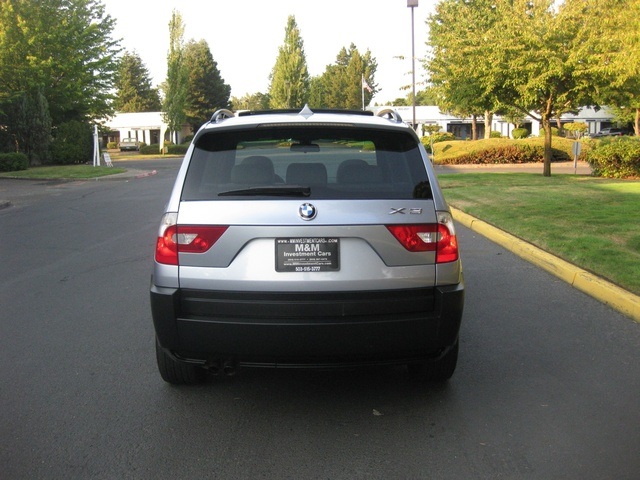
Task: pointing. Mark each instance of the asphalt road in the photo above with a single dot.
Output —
(548, 383)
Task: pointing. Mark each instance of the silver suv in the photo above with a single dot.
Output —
(306, 239)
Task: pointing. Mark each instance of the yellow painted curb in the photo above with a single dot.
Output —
(600, 289)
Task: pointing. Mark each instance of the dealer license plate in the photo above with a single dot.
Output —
(307, 254)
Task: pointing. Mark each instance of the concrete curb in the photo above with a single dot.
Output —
(594, 286)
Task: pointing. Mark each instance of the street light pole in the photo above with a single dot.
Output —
(412, 4)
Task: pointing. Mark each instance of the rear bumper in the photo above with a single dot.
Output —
(308, 329)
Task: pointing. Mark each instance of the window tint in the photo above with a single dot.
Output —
(329, 162)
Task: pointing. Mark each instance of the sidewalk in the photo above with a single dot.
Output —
(583, 168)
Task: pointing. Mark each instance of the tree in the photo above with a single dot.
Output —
(257, 101)
(316, 92)
(65, 48)
(342, 82)
(459, 34)
(289, 78)
(610, 46)
(175, 87)
(206, 91)
(536, 56)
(135, 92)
(57, 63)
(534, 64)
(31, 127)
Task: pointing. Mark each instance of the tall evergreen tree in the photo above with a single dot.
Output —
(289, 86)
(342, 81)
(31, 126)
(175, 87)
(206, 90)
(135, 92)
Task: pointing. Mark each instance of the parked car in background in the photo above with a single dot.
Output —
(130, 144)
(306, 239)
(610, 132)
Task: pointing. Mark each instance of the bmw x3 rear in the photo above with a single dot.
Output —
(306, 239)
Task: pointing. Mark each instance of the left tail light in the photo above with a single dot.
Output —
(174, 238)
(429, 237)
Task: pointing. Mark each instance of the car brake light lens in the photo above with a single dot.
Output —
(429, 237)
(173, 239)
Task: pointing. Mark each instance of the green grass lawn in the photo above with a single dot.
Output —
(67, 172)
(591, 222)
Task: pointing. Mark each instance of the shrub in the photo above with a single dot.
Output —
(436, 138)
(12, 162)
(554, 132)
(509, 154)
(72, 143)
(495, 134)
(112, 145)
(152, 149)
(520, 133)
(619, 158)
(177, 149)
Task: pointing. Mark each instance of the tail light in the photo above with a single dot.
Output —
(429, 237)
(173, 239)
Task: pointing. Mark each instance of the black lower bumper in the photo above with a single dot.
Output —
(308, 329)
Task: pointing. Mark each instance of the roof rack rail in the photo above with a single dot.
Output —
(390, 114)
(220, 115)
(318, 110)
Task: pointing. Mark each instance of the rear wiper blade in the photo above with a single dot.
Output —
(282, 190)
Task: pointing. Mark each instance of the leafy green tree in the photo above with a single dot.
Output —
(256, 101)
(609, 45)
(206, 91)
(534, 64)
(459, 36)
(289, 78)
(175, 87)
(537, 56)
(62, 48)
(135, 92)
(425, 97)
(342, 81)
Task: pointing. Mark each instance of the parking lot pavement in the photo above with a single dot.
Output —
(13, 191)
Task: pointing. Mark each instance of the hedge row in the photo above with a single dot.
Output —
(509, 154)
(12, 162)
(616, 158)
(154, 149)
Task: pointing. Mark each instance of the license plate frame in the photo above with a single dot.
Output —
(307, 254)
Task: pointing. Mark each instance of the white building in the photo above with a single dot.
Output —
(461, 127)
(147, 127)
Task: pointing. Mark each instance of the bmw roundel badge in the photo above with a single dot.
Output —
(307, 211)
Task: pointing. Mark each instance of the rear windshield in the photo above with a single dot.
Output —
(315, 162)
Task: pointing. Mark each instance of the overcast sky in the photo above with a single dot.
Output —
(244, 36)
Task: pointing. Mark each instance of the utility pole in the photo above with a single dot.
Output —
(412, 4)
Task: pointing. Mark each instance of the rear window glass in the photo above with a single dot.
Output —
(315, 162)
